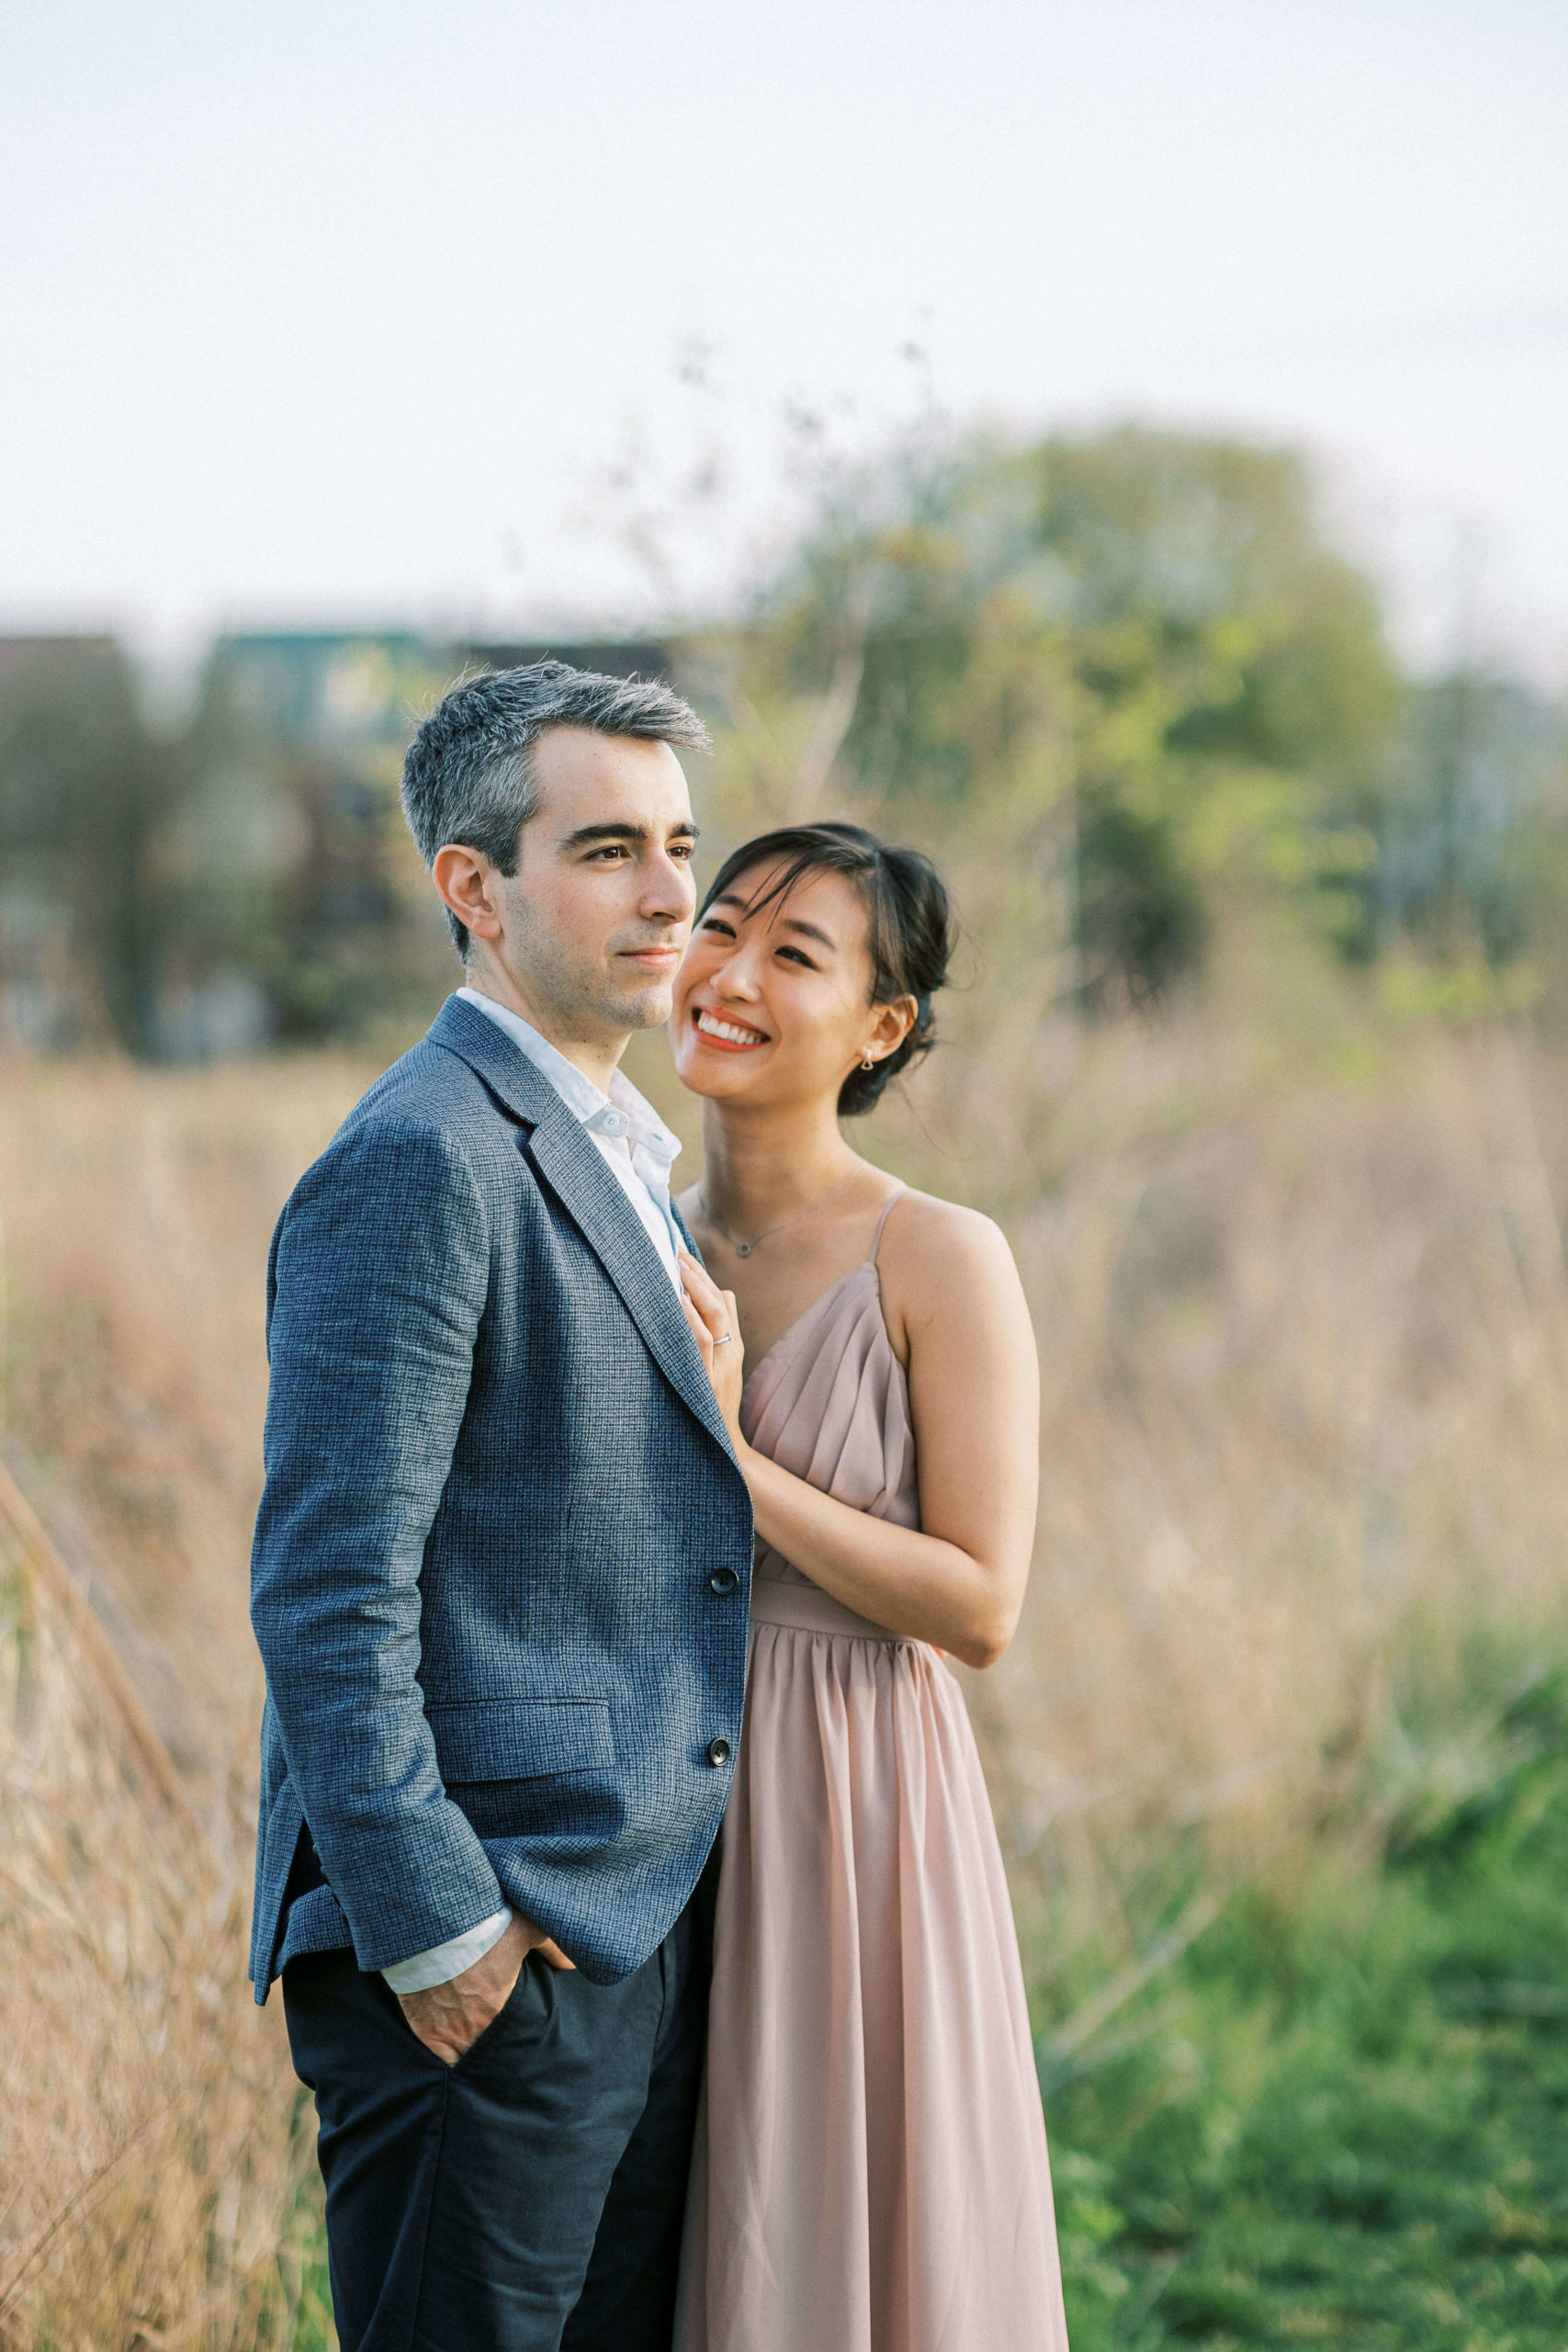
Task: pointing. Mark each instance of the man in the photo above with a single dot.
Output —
(500, 1574)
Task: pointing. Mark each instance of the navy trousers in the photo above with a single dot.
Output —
(530, 2197)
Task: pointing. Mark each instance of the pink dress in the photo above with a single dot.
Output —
(870, 2172)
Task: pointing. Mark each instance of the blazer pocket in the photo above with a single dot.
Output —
(522, 1739)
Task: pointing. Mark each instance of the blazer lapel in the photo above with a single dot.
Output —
(570, 1163)
(491, 1055)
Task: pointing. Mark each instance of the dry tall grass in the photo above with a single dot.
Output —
(135, 1211)
(1304, 1325)
(149, 2166)
(151, 2148)
(1307, 1425)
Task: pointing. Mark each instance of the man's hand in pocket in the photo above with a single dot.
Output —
(450, 2017)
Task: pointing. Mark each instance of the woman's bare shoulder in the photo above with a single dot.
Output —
(921, 1221)
(935, 1252)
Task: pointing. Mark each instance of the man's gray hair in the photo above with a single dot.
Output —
(469, 774)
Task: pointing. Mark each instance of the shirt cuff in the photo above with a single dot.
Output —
(443, 1961)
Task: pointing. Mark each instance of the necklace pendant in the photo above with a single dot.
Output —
(744, 1248)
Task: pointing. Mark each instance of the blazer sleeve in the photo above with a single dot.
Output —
(380, 1276)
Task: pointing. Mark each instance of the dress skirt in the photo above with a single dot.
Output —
(870, 2173)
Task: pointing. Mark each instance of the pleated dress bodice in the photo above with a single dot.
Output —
(831, 1402)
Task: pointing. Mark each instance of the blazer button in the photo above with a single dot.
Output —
(724, 1580)
(718, 1751)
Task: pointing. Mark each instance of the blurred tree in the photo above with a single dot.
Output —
(84, 788)
(1470, 828)
(1135, 663)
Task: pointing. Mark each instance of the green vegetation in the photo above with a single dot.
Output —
(1345, 2116)
(1132, 671)
(311, 2302)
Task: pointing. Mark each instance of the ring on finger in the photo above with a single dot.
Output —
(724, 1339)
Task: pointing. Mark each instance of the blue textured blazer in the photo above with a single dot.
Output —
(502, 1562)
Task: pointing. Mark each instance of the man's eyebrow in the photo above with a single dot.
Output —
(786, 923)
(626, 830)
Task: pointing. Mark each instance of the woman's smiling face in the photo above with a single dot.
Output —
(773, 1003)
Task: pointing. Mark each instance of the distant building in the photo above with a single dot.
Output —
(289, 836)
(293, 816)
(251, 880)
(19, 654)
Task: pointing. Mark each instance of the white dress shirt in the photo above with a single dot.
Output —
(632, 1140)
(639, 1151)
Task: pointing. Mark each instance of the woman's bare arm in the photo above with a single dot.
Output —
(948, 1279)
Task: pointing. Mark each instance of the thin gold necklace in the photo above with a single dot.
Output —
(744, 1248)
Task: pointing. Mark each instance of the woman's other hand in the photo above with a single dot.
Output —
(716, 1326)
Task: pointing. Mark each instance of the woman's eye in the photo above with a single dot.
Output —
(795, 955)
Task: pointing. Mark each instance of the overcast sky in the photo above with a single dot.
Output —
(336, 311)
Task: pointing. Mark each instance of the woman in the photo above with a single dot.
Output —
(870, 2172)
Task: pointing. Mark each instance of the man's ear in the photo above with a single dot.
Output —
(466, 879)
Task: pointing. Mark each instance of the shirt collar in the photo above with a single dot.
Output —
(622, 1111)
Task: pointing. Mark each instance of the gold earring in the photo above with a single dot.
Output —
(868, 1063)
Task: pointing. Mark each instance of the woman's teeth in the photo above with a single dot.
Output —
(712, 1027)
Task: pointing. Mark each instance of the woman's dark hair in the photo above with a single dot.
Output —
(909, 925)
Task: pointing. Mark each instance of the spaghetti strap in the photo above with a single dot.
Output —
(887, 1206)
